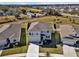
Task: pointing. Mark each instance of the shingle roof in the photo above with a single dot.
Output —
(38, 26)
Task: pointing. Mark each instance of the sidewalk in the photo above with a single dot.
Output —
(33, 51)
(69, 51)
(17, 55)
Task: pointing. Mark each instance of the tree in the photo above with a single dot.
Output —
(55, 26)
(73, 20)
(5, 10)
(51, 11)
(17, 16)
(57, 13)
(23, 11)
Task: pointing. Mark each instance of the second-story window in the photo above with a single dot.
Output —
(41, 31)
(47, 31)
(36, 33)
(29, 33)
(47, 36)
(32, 33)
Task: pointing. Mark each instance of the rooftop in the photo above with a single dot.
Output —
(12, 32)
(38, 26)
(67, 30)
(68, 34)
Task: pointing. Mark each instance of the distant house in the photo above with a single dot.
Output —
(34, 15)
(2, 13)
(39, 32)
(10, 13)
(31, 15)
(39, 14)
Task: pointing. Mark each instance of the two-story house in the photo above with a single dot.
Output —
(39, 32)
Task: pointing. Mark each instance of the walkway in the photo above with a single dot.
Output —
(69, 51)
(33, 51)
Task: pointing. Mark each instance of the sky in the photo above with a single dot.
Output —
(39, 1)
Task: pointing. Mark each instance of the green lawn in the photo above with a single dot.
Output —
(55, 37)
(17, 50)
(34, 10)
(23, 38)
(54, 19)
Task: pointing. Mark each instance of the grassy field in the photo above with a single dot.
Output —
(29, 9)
(73, 12)
(54, 19)
(34, 10)
(17, 50)
(5, 19)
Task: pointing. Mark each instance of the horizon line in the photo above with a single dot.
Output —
(36, 3)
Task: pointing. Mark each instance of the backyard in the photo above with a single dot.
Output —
(22, 48)
(23, 38)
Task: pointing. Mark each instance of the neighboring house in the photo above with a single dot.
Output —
(39, 14)
(31, 15)
(10, 13)
(12, 32)
(39, 32)
(34, 15)
(68, 35)
(2, 13)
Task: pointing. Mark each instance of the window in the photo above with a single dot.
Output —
(29, 33)
(32, 33)
(41, 31)
(36, 33)
(47, 36)
(47, 31)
